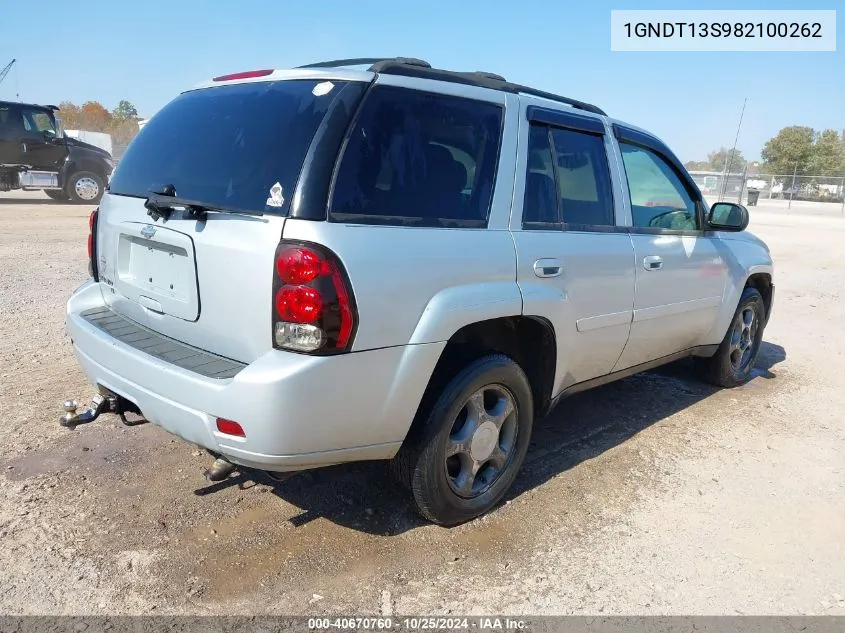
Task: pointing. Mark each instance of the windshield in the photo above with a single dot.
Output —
(239, 146)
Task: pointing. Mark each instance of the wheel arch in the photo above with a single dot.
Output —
(762, 282)
(759, 276)
(530, 341)
(76, 165)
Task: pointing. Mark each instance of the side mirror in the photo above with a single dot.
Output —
(727, 216)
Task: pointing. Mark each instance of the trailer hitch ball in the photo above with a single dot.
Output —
(99, 404)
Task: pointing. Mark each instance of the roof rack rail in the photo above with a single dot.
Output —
(373, 61)
(484, 73)
(575, 103)
(481, 79)
(412, 67)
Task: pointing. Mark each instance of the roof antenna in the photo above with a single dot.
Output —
(730, 160)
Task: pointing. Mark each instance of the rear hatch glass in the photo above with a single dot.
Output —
(239, 146)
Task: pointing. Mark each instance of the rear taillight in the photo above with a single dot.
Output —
(313, 305)
(92, 244)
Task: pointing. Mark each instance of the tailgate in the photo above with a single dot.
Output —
(205, 284)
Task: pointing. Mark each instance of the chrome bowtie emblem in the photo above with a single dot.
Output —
(148, 231)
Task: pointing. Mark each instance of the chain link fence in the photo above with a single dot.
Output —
(744, 188)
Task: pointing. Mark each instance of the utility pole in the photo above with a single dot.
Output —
(842, 193)
(792, 188)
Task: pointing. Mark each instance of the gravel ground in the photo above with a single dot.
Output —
(653, 495)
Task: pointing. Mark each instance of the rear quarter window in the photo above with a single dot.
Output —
(420, 159)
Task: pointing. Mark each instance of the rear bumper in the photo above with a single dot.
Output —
(297, 411)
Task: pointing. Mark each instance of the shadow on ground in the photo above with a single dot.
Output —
(362, 496)
(34, 201)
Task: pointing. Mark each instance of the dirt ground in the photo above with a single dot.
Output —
(654, 495)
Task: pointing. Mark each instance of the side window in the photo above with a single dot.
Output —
(420, 159)
(583, 178)
(540, 201)
(37, 121)
(658, 196)
(567, 179)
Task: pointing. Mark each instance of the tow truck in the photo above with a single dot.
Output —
(36, 154)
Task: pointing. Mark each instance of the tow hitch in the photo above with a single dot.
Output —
(101, 403)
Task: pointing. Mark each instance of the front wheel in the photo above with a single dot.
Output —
(732, 363)
(85, 187)
(468, 451)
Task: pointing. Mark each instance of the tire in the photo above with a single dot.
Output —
(81, 185)
(732, 363)
(57, 194)
(444, 490)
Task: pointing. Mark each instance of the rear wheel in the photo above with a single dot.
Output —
(471, 445)
(732, 363)
(85, 187)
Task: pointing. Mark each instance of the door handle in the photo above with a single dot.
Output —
(548, 267)
(23, 148)
(653, 262)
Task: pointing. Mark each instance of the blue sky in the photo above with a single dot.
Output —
(147, 52)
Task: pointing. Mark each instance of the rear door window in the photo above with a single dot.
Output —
(567, 181)
(417, 158)
(228, 146)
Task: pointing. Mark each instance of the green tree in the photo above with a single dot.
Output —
(125, 111)
(791, 148)
(718, 160)
(828, 156)
(697, 165)
(724, 157)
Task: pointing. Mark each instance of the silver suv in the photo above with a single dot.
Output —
(298, 268)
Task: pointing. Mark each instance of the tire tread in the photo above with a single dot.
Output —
(716, 369)
(411, 465)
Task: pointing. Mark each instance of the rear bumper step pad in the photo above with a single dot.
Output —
(167, 349)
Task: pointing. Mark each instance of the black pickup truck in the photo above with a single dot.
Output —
(35, 154)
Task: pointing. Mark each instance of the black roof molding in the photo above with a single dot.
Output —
(30, 105)
(412, 67)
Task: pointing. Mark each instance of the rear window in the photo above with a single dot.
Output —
(416, 158)
(228, 146)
